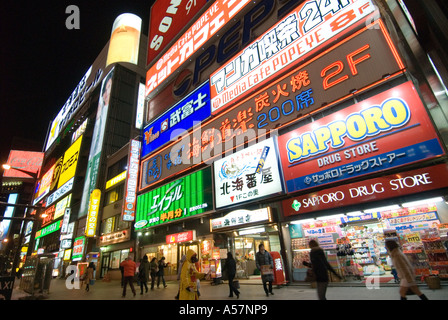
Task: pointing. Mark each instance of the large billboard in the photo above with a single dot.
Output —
(203, 29)
(357, 62)
(306, 28)
(125, 39)
(97, 142)
(188, 196)
(386, 131)
(166, 21)
(24, 160)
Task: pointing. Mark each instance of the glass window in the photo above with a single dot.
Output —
(114, 195)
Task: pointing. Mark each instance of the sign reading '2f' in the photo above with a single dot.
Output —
(306, 28)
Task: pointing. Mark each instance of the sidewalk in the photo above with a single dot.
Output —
(250, 290)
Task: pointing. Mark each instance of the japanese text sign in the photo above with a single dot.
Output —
(386, 131)
(193, 108)
(367, 56)
(92, 215)
(167, 19)
(181, 237)
(210, 22)
(385, 187)
(240, 217)
(249, 174)
(185, 197)
(130, 192)
(306, 28)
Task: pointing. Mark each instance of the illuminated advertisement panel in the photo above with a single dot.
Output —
(70, 162)
(92, 215)
(305, 29)
(385, 187)
(192, 109)
(125, 39)
(55, 226)
(78, 248)
(4, 224)
(25, 160)
(44, 185)
(239, 218)
(210, 22)
(130, 190)
(87, 84)
(386, 131)
(247, 175)
(48, 215)
(183, 198)
(361, 61)
(97, 142)
(61, 206)
(166, 21)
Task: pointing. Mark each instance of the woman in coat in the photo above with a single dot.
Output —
(153, 266)
(320, 267)
(405, 270)
(143, 273)
(188, 276)
(89, 275)
(265, 264)
(230, 267)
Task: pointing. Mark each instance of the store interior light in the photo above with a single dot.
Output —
(355, 213)
(332, 217)
(385, 208)
(303, 221)
(252, 231)
(422, 202)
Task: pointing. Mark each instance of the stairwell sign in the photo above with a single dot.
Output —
(286, 44)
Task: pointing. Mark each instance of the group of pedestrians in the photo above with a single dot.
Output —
(189, 277)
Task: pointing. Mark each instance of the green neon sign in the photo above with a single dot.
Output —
(49, 229)
(183, 198)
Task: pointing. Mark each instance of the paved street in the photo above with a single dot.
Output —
(250, 290)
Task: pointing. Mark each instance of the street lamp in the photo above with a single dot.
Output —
(30, 173)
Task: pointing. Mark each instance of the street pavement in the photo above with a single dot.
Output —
(250, 290)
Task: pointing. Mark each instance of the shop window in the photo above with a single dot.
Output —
(117, 257)
(117, 168)
(114, 195)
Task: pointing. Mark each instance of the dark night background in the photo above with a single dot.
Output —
(42, 61)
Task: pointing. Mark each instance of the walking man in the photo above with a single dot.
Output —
(129, 267)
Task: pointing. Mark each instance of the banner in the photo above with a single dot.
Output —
(130, 191)
(92, 215)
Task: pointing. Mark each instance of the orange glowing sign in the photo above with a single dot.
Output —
(24, 160)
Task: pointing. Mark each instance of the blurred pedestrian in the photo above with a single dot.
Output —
(143, 273)
(161, 273)
(405, 270)
(89, 275)
(153, 266)
(265, 264)
(230, 267)
(129, 267)
(179, 270)
(188, 278)
(320, 266)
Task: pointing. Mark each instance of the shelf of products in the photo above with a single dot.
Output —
(435, 252)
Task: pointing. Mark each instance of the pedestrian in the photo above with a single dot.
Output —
(143, 273)
(179, 270)
(393, 271)
(161, 273)
(320, 267)
(188, 278)
(230, 267)
(129, 267)
(405, 270)
(89, 275)
(153, 266)
(265, 264)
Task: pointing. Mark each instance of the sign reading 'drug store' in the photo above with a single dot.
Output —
(246, 175)
(386, 131)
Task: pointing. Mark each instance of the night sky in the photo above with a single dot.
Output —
(42, 61)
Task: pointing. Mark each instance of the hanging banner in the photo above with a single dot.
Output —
(286, 44)
(92, 216)
(130, 191)
(386, 131)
